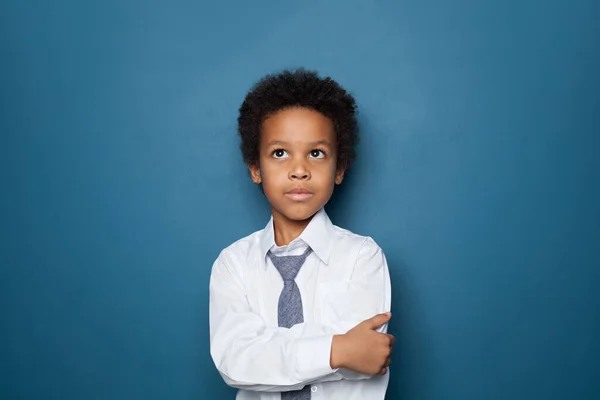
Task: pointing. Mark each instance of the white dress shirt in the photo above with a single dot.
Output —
(344, 281)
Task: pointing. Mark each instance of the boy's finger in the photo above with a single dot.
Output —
(378, 320)
(392, 339)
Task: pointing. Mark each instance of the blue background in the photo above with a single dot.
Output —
(122, 181)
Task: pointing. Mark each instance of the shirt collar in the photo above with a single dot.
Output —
(318, 235)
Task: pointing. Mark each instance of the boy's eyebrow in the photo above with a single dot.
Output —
(282, 143)
(325, 142)
(276, 142)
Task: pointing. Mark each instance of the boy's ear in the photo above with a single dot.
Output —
(255, 174)
(339, 175)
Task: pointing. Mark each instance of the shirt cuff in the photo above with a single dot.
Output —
(314, 357)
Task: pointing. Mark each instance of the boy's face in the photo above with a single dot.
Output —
(297, 162)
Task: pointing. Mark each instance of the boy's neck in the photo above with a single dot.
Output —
(286, 230)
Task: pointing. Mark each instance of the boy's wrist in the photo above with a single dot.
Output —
(337, 352)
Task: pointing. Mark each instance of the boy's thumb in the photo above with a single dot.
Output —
(378, 320)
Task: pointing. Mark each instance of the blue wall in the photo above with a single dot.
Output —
(121, 182)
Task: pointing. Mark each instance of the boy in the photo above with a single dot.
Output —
(299, 310)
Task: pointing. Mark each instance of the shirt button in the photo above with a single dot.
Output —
(313, 389)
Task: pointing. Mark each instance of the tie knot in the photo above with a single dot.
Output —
(288, 266)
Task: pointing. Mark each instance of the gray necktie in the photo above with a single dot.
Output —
(289, 311)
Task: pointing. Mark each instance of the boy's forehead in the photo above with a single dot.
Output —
(297, 125)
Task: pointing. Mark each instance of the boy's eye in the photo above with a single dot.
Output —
(279, 153)
(317, 154)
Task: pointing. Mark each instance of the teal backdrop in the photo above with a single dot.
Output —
(477, 173)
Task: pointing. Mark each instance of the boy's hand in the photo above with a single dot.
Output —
(362, 348)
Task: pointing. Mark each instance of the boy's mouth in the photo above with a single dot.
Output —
(298, 194)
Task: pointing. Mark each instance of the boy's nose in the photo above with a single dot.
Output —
(299, 172)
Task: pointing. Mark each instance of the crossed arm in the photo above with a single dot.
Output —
(251, 356)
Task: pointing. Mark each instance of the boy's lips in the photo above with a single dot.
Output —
(298, 194)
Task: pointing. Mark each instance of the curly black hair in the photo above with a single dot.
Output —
(298, 88)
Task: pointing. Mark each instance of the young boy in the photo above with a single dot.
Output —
(299, 310)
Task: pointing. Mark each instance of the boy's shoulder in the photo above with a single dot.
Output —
(347, 237)
(241, 248)
(348, 243)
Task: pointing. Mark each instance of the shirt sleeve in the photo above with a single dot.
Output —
(250, 356)
(367, 293)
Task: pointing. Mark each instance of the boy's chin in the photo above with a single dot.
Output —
(299, 214)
